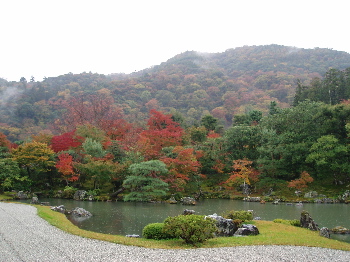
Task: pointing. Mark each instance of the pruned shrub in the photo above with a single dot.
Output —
(241, 215)
(68, 192)
(294, 222)
(155, 231)
(192, 229)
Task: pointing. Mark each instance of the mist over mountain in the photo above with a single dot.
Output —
(190, 85)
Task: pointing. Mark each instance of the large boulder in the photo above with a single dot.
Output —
(225, 227)
(307, 222)
(80, 212)
(80, 195)
(247, 230)
(189, 201)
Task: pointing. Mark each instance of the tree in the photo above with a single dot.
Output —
(162, 132)
(93, 148)
(96, 109)
(330, 158)
(209, 122)
(182, 165)
(301, 182)
(65, 141)
(9, 173)
(144, 183)
(96, 173)
(65, 166)
(35, 157)
(243, 174)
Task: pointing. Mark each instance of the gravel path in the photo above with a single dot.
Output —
(26, 237)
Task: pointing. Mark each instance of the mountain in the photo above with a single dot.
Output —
(190, 84)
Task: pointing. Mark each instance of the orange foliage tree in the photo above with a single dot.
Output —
(65, 166)
(162, 132)
(181, 167)
(301, 182)
(243, 173)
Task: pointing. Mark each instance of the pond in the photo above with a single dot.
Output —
(123, 218)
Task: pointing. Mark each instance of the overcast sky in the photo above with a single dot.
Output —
(53, 37)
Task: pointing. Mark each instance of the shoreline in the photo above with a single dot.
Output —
(27, 237)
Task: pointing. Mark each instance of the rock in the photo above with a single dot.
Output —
(340, 230)
(172, 200)
(225, 227)
(133, 235)
(22, 195)
(189, 201)
(80, 212)
(247, 230)
(311, 194)
(252, 199)
(324, 232)
(62, 209)
(188, 212)
(79, 195)
(307, 222)
(35, 201)
(257, 218)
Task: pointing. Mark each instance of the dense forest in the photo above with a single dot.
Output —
(264, 116)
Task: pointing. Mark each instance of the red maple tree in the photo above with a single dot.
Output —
(162, 132)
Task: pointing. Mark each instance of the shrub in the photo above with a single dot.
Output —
(68, 192)
(192, 229)
(294, 222)
(241, 215)
(155, 231)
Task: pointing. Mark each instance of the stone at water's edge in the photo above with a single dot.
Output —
(80, 212)
(79, 195)
(35, 201)
(190, 201)
(247, 230)
(62, 209)
(226, 227)
(340, 230)
(307, 222)
(324, 232)
(188, 212)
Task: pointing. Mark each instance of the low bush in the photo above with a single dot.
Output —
(241, 215)
(192, 229)
(294, 222)
(155, 231)
(68, 192)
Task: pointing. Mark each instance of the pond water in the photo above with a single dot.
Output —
(123, 218)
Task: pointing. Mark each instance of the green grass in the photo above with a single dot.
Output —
(270, 234)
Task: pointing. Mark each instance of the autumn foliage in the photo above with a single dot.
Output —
(243, 173)
(181, 167)
(64, 165)
(301, 182)
(162, 132)
(65, 141)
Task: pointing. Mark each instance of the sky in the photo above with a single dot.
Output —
(47, 38)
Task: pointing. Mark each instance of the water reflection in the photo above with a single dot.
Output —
(125, 218)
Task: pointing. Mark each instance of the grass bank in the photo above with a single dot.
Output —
(270, 234)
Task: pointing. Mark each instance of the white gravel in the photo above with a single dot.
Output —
(26, 237)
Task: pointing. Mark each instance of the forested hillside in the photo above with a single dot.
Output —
(263, 116)
(190, 84)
